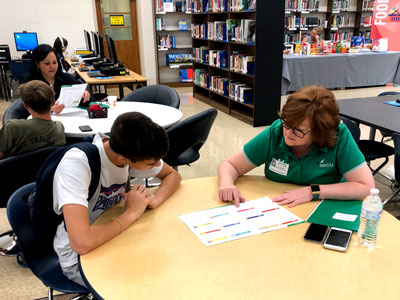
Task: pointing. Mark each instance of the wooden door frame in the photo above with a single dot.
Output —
(135, 34)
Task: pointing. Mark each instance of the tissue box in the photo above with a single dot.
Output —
(97, 111)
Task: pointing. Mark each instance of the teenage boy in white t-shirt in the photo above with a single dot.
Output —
(135, 148)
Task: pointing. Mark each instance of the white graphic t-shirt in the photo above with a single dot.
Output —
(71, 186)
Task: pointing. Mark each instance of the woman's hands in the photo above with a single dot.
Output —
(86, 96)
(294, 197)
(230, 193)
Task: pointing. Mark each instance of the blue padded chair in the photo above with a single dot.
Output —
(371, 149)
(187, 137)
(158, 94)
(38, 253)
(15, 111)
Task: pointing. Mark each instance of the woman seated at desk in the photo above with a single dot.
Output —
(44, 66)
(314, 38)
(307, 146)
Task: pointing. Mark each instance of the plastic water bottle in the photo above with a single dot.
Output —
(370, 215)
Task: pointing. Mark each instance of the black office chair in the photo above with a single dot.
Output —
(159, 94)
(15, 111)
(18, 170)
(38, 253)
(396, 181)
(386, 135)
(18, 68)
(371, 149)
(187, 137)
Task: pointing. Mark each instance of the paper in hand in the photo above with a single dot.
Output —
(71, 95)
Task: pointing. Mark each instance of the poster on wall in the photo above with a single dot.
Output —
(386, 22)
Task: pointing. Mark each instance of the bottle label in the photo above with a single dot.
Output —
(371, 215)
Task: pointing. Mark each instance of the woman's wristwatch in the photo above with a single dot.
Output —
(315, 191)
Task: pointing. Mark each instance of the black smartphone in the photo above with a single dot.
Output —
(338, 239)
(316, 232)
(85, 128)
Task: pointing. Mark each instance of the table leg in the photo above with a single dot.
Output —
(121, 91)
(372, 132)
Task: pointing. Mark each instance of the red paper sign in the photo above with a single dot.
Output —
(386, 22)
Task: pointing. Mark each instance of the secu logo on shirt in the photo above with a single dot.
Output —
(323, 164)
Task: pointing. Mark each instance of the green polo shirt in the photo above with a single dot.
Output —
(319, 166)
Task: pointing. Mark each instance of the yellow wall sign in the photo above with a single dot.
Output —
(116, 20)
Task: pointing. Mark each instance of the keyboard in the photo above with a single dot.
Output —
(95, 74)
(84, 69)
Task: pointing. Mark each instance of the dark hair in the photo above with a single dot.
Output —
(37, 95)
(38, 54)
(319, 105)
(137, 137)
(60, 47)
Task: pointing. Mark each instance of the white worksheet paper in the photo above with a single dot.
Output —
(223, 224)
(71, 95)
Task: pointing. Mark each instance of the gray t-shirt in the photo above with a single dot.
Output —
(19, 135)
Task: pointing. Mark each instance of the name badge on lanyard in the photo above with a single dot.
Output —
(279, 167)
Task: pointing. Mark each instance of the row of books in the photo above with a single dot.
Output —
(366, 34)
(340, 5)
(340, 21)
(166, 42)
(366, 21)
(368, 5)
(178, 59)
(242, 63)
(218, 5)
(342, 36)
(199, 31)
(230, 88)
(164, 6)
(302, 5)
(294, 22)
(160, 24)
(240, 5)
(219, 58)
(201, 54)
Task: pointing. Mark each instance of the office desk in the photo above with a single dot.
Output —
(373, 112)
(158, 257)
(340, 70)
(128, 80)
(72, 118)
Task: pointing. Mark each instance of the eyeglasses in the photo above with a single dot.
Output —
(297, 132)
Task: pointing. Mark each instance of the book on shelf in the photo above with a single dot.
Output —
(159, 5)
(232, 27)
(160, 24)
(186, 75)
(178, 6)
(166, 42)
(200, 6)
(248, 28)
(199, 31)
(178, 59)
(242, 63)
(182, 25)
(240, 5)
(168, 5)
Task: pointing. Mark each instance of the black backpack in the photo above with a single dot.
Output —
(40, 200)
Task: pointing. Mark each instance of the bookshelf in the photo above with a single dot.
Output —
(235, 70)
(172, 21)
(341, 19)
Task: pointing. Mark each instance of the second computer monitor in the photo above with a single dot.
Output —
(101, 45)
(95, 43)
(111, 49)
(87, 41)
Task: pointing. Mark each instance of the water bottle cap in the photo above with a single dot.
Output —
(374, 191)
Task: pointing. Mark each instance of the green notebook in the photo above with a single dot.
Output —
(337, 213)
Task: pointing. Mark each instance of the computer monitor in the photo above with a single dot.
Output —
(101, 45)
(25, 41)
(111, 49)
(87, 41)
(95, 43)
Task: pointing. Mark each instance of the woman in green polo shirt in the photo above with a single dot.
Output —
(307, 146)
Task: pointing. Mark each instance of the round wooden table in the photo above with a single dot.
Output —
(158, 257)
